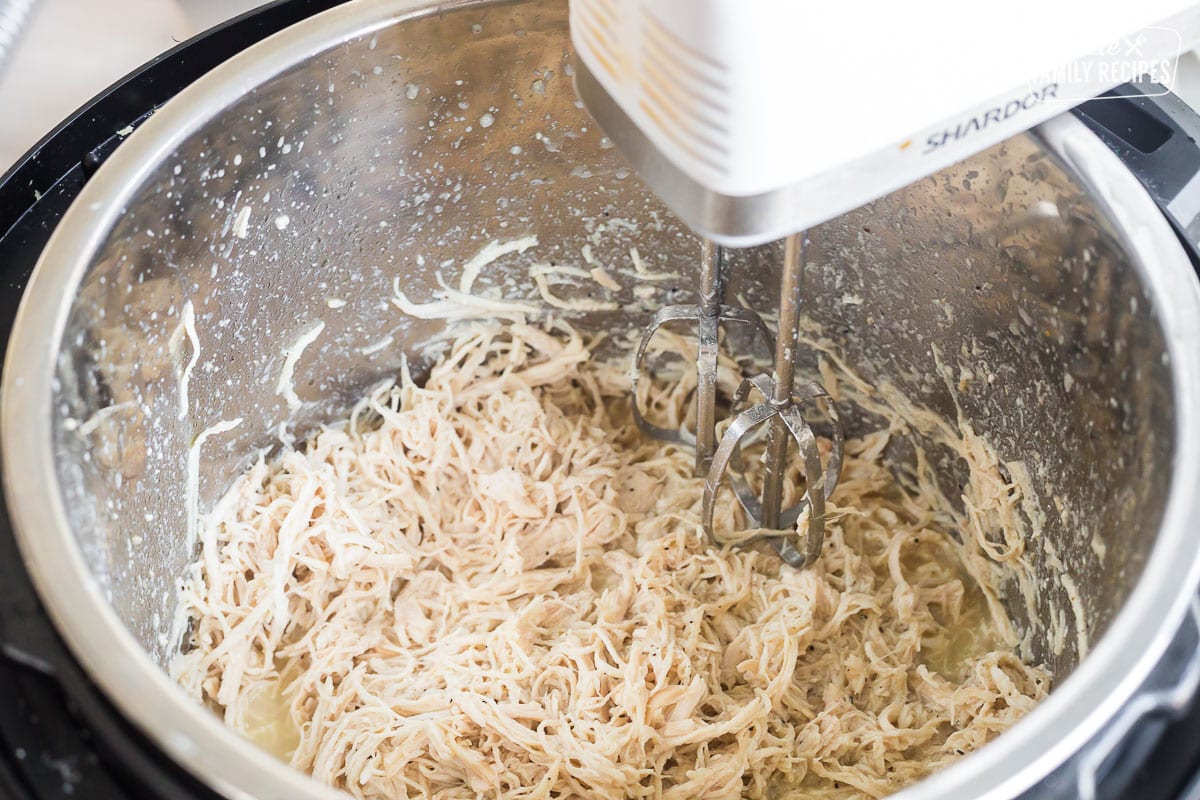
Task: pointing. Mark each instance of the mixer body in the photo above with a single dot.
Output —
(755, 119)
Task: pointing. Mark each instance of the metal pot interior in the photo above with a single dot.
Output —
(397, 155)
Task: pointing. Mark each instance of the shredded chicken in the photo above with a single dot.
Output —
(491, 586)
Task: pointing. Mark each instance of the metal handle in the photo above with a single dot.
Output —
(1177, 679)
(1155, 134)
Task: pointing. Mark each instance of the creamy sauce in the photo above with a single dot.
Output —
(267, 720)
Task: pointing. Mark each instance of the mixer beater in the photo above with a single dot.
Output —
(781, 411)
(709, 314)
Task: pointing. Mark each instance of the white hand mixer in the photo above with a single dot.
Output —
(756, 119)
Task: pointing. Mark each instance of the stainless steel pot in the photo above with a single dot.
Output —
(389, 140)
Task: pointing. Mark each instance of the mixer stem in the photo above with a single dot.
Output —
(709, 314)
(775, 462)
(712, 286)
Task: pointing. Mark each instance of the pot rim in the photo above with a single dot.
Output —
(198, 741)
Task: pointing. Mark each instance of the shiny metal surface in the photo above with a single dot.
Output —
(781, 411)
(1033, 291)
(820, 479)
(706, 316)
(787, 344)
(708, 322)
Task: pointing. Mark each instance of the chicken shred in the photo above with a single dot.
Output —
(491, 585)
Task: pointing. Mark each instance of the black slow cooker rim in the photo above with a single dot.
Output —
(60, 731)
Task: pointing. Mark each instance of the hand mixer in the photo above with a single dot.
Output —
(756, 119)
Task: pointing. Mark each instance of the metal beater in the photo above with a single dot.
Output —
(781, 410)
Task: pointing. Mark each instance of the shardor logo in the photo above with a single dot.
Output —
(991, 117)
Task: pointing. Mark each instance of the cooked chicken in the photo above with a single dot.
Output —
(491, 586)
